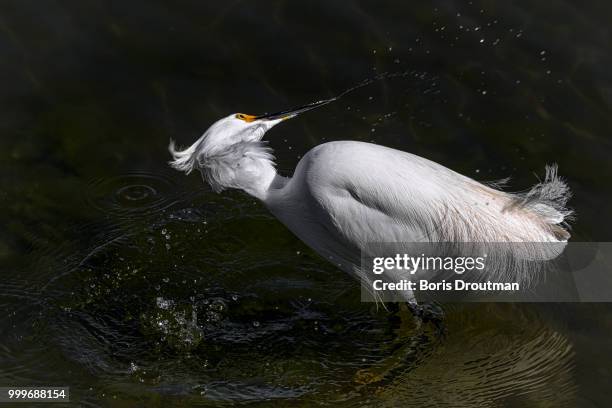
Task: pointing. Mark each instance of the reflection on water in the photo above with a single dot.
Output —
(137, 286)
(492, 362)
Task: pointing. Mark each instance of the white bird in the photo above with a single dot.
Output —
(346, 194)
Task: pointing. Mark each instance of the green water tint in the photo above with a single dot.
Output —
(137, 286)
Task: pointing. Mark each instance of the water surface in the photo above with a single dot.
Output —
(138, 286)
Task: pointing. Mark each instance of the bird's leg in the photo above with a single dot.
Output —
(410, 322)
(429, 313)
(413, 319)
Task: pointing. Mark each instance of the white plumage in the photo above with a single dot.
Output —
(344, 195)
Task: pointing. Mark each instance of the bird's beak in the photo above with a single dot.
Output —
(292, 113)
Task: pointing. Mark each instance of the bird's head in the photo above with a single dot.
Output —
(224, 148)
(231, 153)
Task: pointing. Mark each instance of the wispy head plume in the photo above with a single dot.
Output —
(183, 160)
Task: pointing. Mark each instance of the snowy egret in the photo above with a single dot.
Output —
(346, 194)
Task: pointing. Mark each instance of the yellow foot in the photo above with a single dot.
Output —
(403, 345)
(368, 376)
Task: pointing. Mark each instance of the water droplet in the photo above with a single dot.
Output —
(217, 305)
(164, 303)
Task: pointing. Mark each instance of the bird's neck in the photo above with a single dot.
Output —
(261, 179)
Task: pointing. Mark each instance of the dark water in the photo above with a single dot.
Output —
(137, 286)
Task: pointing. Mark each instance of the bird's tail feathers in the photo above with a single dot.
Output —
(548, 200)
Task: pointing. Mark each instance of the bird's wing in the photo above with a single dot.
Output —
(377, 194)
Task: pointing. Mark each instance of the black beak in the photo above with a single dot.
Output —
(290, 113)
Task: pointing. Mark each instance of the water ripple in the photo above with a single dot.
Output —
(132, 195)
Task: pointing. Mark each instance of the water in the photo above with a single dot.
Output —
(137, 286)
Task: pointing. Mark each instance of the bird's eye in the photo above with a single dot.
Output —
(245, 117)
